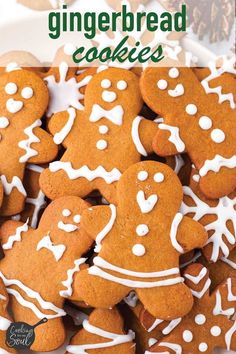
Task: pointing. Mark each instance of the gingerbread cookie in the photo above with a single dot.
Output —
(41, 5)
(39, 267)
(203, 125)
(209, 324)
(17, 59)
(5, 320)
(103, 333)
(102, 141)
(217, 216)
(135, 251)
(24, 99)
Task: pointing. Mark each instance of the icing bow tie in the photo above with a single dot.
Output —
(115, 115)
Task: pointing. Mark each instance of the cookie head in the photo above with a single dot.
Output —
(150, 187)
(112, 88)
(22, 94)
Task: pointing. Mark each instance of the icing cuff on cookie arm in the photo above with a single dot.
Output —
(168, 141)
(143, 132)
(61, 125)
(190, 234)
(12, 232)
(98, 221)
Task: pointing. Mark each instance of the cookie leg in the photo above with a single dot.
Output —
(108, 191)
(167, 302)
(57, 184)
(99, 292)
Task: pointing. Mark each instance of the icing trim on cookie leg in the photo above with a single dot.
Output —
(228, 336)
(174, 136)
(65, 131)
(4, 323)
(17, 237)
(216, 164)
(102, 234)
(173, 232)
(175, 347)
(25, 144)
(70, 274)
(15, 183)
(34, 295)
(116, 339)
(84, 171)
(135, 136)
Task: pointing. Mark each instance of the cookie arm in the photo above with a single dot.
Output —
(98, 219)
(46, 149)
(61, 125)
(148, 130)
(191, 234)
(9, 230)
(167, 141)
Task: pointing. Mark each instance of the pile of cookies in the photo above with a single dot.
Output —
(118, 207)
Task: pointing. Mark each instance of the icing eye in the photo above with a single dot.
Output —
(122, 85)
(159, 177)
(174, 73)
(11, 88)
(27, 93)
(162, 84)
(106, 83)
(77, 218)
(66, 212)
(142, 175)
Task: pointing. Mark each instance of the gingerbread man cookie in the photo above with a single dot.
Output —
(217, 216)
(203, 125)
(41, 5)
(39, 267)
(23, 101)
(209, 324)
(102, 141)
(103, 333)
(140, 242)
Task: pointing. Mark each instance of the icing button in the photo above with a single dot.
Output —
(101, 144)
(138, 250)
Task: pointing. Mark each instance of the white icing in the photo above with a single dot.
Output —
(154, 325)
(231, 297)
(34, 295)
(196, 178)
(179, 163)
(103, 233)
(174, 231)
(70, 274)
(67, 227)
(135, 136)
(17, 237)
(229, 262)
(215, 331)
(214, 73)
(142, 230)
(205, 122)
(115, 115)
(65, 93)
(106, 84)
(218, 136)
(100, 172)
(203, 347)
(27, 93)
(109, 96)
(65, 131)
(35, 168)
(4, 122)
(229, 334)
(103, 129)
(201, 293)
(142, 176)
(174, 136)
(77, 218)
(175, 347)
(15, 183)
(151, 342)
(216, 164)
(174, 73)
(26, 144)
(200, 319)
(115, 339)
(177, 91)
(218, 307)
(66, 212)
(57, 250)
(39, 203)
(191, 109)
(101, 144)
(3, 351)
(11, 88)
(14, 106)
(162, 84)
(171, 326)
(131, 299)
(138, 250)
(146, 205)
(224, 212)
(187, 336)
(197, 278)
(159, 177)
(4, 323)
(122, 85)
(99, 262)
(13, 66)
